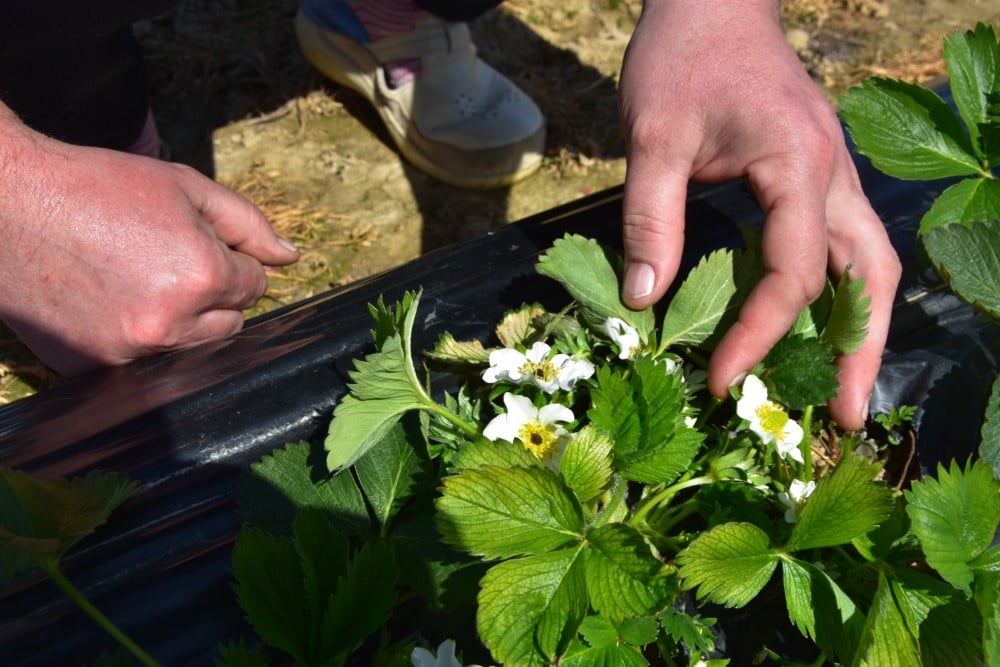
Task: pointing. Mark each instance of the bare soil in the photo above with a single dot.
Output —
(234, 98)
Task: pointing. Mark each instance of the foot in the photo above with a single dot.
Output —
(449, 113)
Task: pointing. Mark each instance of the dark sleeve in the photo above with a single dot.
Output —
(457, 10)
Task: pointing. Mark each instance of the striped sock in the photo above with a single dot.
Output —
(383, 18)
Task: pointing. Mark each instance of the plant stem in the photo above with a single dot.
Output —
(805, 446)
(432, 406)
(51, 567)
(665, 495)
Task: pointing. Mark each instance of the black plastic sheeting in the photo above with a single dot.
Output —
(187, 425)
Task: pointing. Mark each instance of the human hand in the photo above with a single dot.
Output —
(106, 257)
(710, 90)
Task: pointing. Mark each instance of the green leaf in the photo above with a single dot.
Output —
(624, 578)
(800, 372)
(691, 630)
(973, 62)
(812, 319)
(645, 417)
(988, 601)
(989, 448)
(384, 385)
(615, 655)
(389, 471)
(317, 546)
(614, 409)
(846, 504)
(968, 258)
(886, 640)
(638, 631)
(729, 564)
(530, 608)
(365, 596)
(709, 299)
(291, 479)
(44, 518)
(501, 453)
(947, 625)
(583, 269)
(233, 654)
(848, 324)
(451, 351)
(955, 517)
(968, 201)
(821, 610)
(598, 632)
(586, 463)
(270, 590)
(907, 131)
(502, 512)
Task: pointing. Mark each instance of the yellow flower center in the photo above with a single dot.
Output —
(772, 418)
(539, 439)
(543, 371)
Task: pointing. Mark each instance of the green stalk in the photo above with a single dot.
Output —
(806, 445)
(51, 567)
(665, 496)
(431, 406)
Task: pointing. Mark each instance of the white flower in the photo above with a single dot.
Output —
(539, 430)
(797, 492)
(559, 372)
(622, 335)
(769, 420)
(445, 657)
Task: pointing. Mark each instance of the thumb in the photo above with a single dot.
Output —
(241, 225)
(652, 229)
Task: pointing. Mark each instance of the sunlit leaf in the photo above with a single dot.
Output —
(586, 463)
(530, 608)
(968, 258)
(384, 385)
(968, 201)
(848, 324)
(582, 266)
(709, 299)
(907, 131)
(728, 564)
(973, 62)
(499, 512)
(845, 505)
(624, 578)
(955, 516)
(886, 640)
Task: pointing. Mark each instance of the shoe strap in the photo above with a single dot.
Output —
(428, 37)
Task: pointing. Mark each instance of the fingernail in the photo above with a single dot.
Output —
(738, 380)
(864, 408)
(638, 280)
(287, 245)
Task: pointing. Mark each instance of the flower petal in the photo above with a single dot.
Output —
(554, 412)
(538, 352)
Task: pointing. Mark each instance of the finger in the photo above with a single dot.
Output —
(652, 227)
(859, 239)
(244, 285)
(237, 222)
(794, 247)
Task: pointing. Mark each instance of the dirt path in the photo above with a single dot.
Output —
(235, 99)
